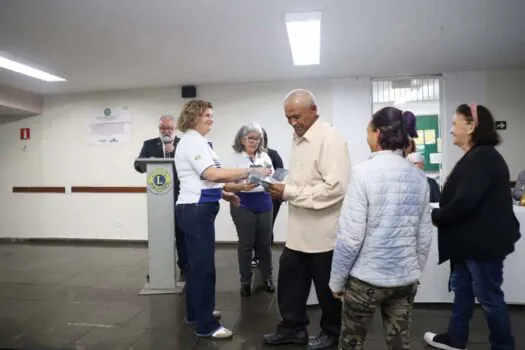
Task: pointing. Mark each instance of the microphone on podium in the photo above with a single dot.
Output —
(165, 140)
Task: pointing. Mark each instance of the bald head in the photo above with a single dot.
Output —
(301, 110)
(300, 96)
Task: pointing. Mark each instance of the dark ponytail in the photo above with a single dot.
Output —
(395, 127)
(409, 120)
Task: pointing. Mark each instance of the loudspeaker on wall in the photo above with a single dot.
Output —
(189, 91)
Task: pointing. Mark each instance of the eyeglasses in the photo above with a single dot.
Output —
(166, 128)
(254, 139)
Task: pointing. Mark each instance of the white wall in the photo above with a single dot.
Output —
(19, 101)
(505, 99)
(58, 153)
(458, 88)
(418, 108)
(352, 105)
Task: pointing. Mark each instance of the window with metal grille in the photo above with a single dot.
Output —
(405, 90)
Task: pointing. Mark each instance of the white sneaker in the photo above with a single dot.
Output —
(441, 341)
(222, 333)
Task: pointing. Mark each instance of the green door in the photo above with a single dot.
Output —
(429, 141)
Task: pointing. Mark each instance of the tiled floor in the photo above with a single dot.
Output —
(82, 297)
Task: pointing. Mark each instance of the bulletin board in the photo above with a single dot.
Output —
(428, 142)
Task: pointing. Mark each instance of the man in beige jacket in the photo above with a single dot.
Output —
(315, 187)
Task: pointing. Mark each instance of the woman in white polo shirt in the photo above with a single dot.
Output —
(253, 218)
(201, 187)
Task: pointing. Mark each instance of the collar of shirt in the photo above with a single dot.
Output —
(256, 155)
(162, 143)
(196, 133)
(311, 134)
(382, 153)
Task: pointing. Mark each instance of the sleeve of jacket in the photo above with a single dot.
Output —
(334, 165)
(472, 186)
(424, 235)
(141, 168)
(435, 192)
(350, 233)
(517, 191)
(276, 159)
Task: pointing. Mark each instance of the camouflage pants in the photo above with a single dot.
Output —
(359, 305)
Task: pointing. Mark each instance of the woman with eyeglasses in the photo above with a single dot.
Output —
(253, 218)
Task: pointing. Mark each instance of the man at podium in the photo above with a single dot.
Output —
(164, 146)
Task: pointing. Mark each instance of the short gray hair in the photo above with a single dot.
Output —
(245, 130)
(167, 117)
(416, 157)
(301, 95)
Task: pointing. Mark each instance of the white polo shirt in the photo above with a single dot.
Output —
(256, 199)
(243, 160)
(192, 157)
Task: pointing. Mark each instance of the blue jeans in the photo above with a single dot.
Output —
(180, 243)
(480, 280)
(197, 221)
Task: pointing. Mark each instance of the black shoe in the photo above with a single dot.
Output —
(299, 338)
(269, 286)
(442, 341)
(323, 341)
(246, 290)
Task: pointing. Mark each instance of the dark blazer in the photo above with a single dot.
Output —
(435, 192)
(476, 217)
(277, 162)
(154, 148)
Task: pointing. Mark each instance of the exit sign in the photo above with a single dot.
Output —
(501, 125)
(25, 134)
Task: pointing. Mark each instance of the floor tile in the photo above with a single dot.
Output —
(87, 297)
(114, 338)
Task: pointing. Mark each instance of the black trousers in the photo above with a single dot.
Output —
(254, 230)
(276, 204)
(296, 272)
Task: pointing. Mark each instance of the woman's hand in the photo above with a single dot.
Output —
(232, 198)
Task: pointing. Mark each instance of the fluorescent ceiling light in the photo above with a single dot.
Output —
(29, 71)
(304, 34)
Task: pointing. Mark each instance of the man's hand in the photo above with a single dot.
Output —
(246, 186)
(338, 295)
(169, 147)
(276, 191)
(232, 198)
